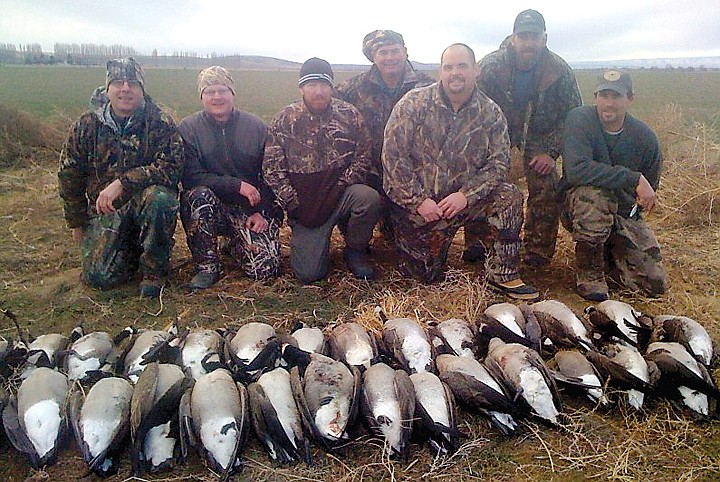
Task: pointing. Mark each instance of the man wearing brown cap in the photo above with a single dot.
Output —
(118, 178)
(317, 163)
(223, 190)
(535, 89)
(377, 90)
(611, 172)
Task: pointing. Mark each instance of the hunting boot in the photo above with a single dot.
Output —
(589, 268)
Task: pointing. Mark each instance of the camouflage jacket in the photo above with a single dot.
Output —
(147, 151)
(557, 92)
(375, 100)
(431, 151)
(310, 158)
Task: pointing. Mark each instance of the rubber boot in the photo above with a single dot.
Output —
(589, 267)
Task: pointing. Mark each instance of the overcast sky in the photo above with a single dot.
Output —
(333, 30)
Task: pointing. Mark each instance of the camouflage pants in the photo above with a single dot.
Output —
(631, 248)
(355, 215)
(542, 213)
(496, 223)
(205, 217)
(140, 233)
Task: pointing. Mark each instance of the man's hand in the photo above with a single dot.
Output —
(104, 202)
(645, 195)
(543, 164)
(77, 235)
(256, 223)
(429, 210)
(452, 204)
(249, 191)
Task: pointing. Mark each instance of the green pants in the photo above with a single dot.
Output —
(139, 234)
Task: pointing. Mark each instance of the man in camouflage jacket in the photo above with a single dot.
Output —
(118, 177)
(445, 163)
(317, 164)
(535, 89)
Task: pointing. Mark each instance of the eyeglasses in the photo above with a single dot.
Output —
(118, 83)
(210, 91)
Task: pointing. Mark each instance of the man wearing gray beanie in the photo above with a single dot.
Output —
(317, 163)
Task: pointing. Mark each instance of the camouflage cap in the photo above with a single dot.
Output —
(215, 75)
(124, 69)
(377, 38)
(616, 81)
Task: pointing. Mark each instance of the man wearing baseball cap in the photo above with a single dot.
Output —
(317, 163)
(223, 190)
(535, 89)
(118, 178)
(611, 172)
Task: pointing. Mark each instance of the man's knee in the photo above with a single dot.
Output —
(160, 198)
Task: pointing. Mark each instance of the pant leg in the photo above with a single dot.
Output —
(202, 218)
(109, 253)
(257, 253)
(309, 250)
(542, 213)
(591, 213)
(156, 217)
(636, 259)
(358, 211)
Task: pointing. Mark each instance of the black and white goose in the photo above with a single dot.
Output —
(407, 342)
(353, 344)
(454, 336)
(436, 413)
(689, 333)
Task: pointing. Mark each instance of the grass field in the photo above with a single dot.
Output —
(40, 268)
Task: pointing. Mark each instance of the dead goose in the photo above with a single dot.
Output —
(326, 392)
(153, 412)
(435, 412)
(473, 385)
(101, 422)
(573, 364)
(135, 359)
(388, 403)
(626, 368)
(352, 344)
(200, 349)
(44, 351)
(683, 377)
(561, 325)
(90, 353)
(527, 377)
(35, 421)
(276, 418)
(253, 348)
(309, 338)
(454, 336)
(689, 333)
(620, 320)
(214, 417)
(407, 343)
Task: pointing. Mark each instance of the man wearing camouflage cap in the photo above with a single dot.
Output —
(611, 172)
(375, 91)
(118, 178)
(535, 89)
(223, 190)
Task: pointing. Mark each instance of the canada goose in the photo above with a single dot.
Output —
(453, 336)
(489, 328)
(689, 333)
(89, 353)
(200, 348)
(326, 392)
(683, 377)
(436, 413)
(153, 409)
(527, 377)
(388, 403)
(253, 348)
(626, 368)
(473, 385)
(101, 422)
(276, 418)
(408, 343)
(35, 421)
(618, 319)
(309, 338)
(43, 351)
(573, 364)
(135, 358)
(561, 325)
(352, 344)
(214, 417)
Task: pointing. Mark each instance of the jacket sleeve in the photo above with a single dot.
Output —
(73, 173)
(495, 170)
(568, 98)
(275, 167)
(359, 169)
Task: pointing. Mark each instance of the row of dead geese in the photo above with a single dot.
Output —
(169, 391)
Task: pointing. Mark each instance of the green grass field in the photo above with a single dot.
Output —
(55, 93)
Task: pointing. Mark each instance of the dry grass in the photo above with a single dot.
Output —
(40, 270)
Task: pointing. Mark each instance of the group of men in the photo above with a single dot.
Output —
(389, 146)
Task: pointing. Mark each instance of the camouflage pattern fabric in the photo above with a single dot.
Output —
(124, 69)
(495, 222)
(303, 143)
(215, 75)
(205, 217)
(633, 252)
(543, 212)
(377, 38)
(431, 151)
(140, 234)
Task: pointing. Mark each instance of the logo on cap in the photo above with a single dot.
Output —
(612, 75)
